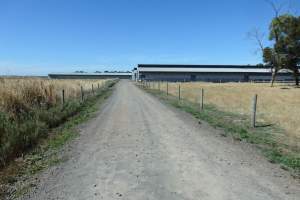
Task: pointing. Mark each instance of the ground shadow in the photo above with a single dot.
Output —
(264, 125)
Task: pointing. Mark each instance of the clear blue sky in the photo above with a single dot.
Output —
(42, 36)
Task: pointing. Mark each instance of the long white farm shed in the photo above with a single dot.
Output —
(105, 75)
(212, 73)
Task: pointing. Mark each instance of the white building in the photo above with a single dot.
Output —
(212, 73)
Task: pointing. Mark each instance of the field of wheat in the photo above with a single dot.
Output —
(278, 105)
(30, 107)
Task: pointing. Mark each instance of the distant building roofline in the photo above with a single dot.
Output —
(202, 70)
(201, 66)
(92, 74)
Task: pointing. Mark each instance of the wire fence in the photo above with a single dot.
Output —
(258, 102)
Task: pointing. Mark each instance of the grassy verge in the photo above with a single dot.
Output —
(16, 178)
(267, 137)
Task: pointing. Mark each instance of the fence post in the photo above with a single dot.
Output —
(179, 92)
(63, 97)
(159, 86)
(167, 88)
(202, 99)
(254, 105)
(93, 89)
(82, 94)
(98, 86)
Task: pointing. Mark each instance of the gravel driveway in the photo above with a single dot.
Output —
(138, 148)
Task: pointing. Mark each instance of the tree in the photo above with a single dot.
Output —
(285, 35)
(285, 53)
(79, 72)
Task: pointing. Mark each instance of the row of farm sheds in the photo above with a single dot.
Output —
(209, 73)
(169, 72)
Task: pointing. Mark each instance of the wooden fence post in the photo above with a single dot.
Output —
(159, 86)
(82, 94)
(98, 86)
(93, 89)
(167, 89)
(179, 92)
(202, 99)
(63, 97)
(254, 105)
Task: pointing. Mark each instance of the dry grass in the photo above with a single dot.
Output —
(276, 105)
(29, 107)
(19, 94)
(228, 106)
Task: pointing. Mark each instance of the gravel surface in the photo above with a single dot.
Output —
(139, 148)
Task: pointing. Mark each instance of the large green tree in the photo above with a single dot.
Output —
(285, 53)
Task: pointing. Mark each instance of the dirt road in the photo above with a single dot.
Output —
(138, 148)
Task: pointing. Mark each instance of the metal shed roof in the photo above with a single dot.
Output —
(233, 70)
(92, 74)
(203, 68)
(197, 66)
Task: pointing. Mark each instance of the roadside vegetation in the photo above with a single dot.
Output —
(16, 179)
(278, 105)
(228, 106)
(29, 108)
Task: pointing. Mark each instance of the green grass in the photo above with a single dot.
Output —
(47, 151)
(264, 136)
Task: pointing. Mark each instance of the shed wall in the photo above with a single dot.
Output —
(210, 77)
